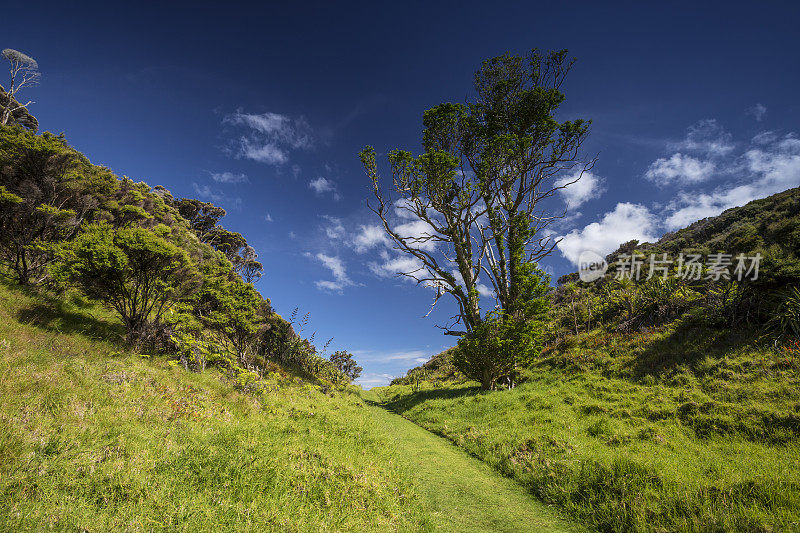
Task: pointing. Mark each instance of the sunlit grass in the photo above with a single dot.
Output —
(672, 430)
(94, 438)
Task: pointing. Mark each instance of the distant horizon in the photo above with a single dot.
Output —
(263, 110)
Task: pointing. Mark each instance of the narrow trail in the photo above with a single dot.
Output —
(462, 492)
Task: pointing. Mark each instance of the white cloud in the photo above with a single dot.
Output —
(228, 177)
(679, 168)
(707, 137)
(337, 268)
(322, 185)
(627, 221)
(333, 228)
(391, 266)
(271, 136)
(765, 137)
(588, 187)
(771, 167)
(373, 379)
(418, 232)
(267, 153)
(369, 237)
(758, 112)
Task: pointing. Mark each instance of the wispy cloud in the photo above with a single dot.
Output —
(322, 186)
(708, 138)
(228, 177)
(374, 379)
(368, 237)
(205, 192)
(758, 112)
(340, 278)
(392, 265)
(769, 166)
(397, 355)
(333, 227)
(270, 137)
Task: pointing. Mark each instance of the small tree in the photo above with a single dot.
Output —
(247, 265)
(131, 270)
(234, 311)
(346, 364)
(504, 342)
(24, 73)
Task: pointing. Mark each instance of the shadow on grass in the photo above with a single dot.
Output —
(404, 403)
(687, 345)
(55, 315)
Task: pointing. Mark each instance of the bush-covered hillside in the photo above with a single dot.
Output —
(768, 228)
(177, 280)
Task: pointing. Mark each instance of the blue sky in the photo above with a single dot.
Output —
(262, 109)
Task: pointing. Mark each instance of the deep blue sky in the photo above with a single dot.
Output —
(694, 110)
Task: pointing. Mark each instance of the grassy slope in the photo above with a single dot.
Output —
(463, 493)
(94, 439)
(680, 429)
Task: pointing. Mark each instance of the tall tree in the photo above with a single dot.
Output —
(477, 192)
(24, 73)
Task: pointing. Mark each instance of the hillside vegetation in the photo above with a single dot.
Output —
(646, 410)
(95, 438)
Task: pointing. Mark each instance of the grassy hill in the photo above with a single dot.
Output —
(710, 445)
(653, 405)
(96, 439)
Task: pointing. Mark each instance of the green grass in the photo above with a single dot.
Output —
(96, 439)
(463, 493)
(683, 429)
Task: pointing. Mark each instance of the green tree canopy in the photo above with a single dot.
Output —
(131, 269)
(346, 364)
(42, 201)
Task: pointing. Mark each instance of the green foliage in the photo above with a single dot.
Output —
(40, 200)
(131, 270)
(498, 349)
(505, 342)
(233, 310)
(787, 318)
(345, 363)
(202, 216)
